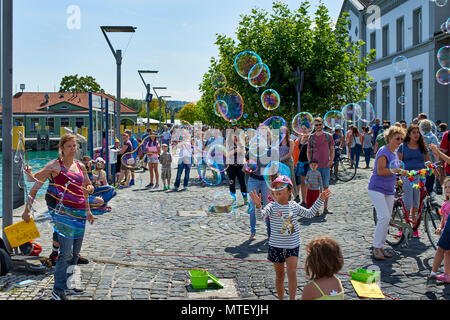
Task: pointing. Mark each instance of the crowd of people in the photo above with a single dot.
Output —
(299, 191)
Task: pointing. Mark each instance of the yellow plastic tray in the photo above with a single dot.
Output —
(21, 232)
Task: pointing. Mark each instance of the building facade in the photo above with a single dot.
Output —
(409, 31)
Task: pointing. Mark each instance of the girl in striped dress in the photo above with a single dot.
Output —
(284, 241)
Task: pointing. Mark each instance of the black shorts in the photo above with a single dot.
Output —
(279, 255)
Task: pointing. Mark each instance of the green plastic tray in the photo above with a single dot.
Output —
(364, 275)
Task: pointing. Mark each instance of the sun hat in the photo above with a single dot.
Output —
(100, 159)
(282, 179)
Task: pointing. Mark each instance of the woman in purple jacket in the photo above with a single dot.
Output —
(382, 188)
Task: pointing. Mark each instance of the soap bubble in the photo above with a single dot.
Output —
(216, 157)
(443, 57)
(220, 108)
(234, 102)
(367, 112)
(440, 3)
(244, 62)
(259, 75)
(218, 80)
(258, 145)
(210, 174)
(302, 123)
(251, 166)
(427, 127)
(352, 112)
(270, 99)
(396, 166)
(273, 170)
(245, 115)
(443, 76)
(222, 202)
(400, 64)
(402, 100)
(333, 119)
(275, 123)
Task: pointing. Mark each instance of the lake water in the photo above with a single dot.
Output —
(37, 160)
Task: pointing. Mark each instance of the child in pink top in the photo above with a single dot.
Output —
(443, 249)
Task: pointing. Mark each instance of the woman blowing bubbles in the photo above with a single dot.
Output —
(69, 185)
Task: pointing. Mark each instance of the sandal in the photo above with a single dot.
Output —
(386, 254)
(378, 254)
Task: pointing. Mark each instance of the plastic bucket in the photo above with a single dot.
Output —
(199, 279)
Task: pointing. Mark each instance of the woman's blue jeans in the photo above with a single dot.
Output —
(258, 186)
(68, 255)
(355, 152)
(187, 169)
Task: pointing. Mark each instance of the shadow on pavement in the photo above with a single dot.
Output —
(246, 248)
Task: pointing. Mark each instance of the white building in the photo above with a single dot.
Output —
(409, 28)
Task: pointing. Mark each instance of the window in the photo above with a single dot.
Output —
(65, 122)
(385, 41)
(79, 122)
(417, 97)
(34, 124)
(417, 26)
(373, 97)
(400, 103)
(400, 34)
(385, 102)
(373, 40)
(50, 123)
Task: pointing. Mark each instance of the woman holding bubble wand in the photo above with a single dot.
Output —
(67, 176)
(381, 187)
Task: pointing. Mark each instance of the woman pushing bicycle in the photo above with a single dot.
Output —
(413, 152)
(382, 188)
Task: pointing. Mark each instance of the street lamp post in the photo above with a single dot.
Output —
(159, 100)
(300, 75)
(118, 56)
(149, 96)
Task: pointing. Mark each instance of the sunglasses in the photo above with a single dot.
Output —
(318, 124)
(399, 139)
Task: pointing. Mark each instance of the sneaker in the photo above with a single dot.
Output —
(123, 187)
(431, 281)
(165, 188)
(444, 278)
(132, 182)
(58, 295)
(168, 187)
(156, 186)
(149, 185)
(326, 211)
(252, 236)
(74, 291)
(53, 257)
(416, 234)
(82, 260)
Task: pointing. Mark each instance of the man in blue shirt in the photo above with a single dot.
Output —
(135, 145)
(375, 130)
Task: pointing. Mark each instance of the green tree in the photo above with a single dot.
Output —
(82, 84)
(285, 39)
(191, 112)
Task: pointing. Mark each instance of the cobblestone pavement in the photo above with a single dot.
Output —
(145, 229)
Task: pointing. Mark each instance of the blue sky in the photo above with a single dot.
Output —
(175, 37)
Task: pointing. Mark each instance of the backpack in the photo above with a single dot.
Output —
(6, 263)
(31, 248)
(311, 142)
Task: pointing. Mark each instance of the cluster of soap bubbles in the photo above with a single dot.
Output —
(443, 57)
(445, 26)
(440, 3)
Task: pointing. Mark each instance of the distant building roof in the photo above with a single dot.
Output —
(34, 102)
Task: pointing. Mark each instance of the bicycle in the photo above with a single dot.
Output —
(343, 169)
(401, 227)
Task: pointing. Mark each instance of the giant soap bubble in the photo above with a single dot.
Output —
(244, 62)
(234, 102)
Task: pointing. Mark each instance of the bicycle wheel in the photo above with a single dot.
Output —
(395, 235)
(432, 221)
(346, 171)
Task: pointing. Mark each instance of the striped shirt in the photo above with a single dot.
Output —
(314, 180)
(280, 236)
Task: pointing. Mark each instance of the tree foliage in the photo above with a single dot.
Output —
(191, 112)
(81, 84)
(285, 39)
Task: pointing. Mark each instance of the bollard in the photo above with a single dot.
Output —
(19, 156)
